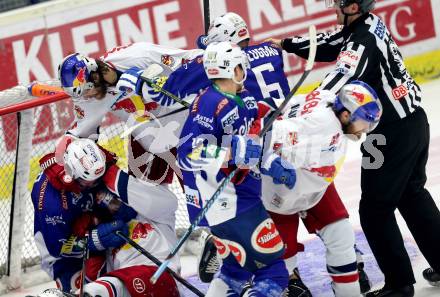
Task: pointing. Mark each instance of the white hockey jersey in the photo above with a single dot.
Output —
(309, 136)
(89, 113)
(153, 228)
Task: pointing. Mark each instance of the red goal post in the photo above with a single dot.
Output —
(30, 127)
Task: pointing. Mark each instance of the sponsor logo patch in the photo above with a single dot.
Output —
(400, 92)
(250, 102)
(348, 57)
(242, 32)
(139, 285)
(220, 106)
(213, 71)
(54, 220)
(266, 239)
(230, 118)
(192, 197)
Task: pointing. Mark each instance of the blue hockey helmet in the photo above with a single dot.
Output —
(74, 74)
(361, 101)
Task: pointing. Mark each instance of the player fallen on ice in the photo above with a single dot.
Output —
(64, 200)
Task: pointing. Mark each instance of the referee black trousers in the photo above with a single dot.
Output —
(399, 184)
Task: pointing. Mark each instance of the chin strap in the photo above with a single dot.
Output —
(346, 15)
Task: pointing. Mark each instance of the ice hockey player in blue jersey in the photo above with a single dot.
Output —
(63, 201)
(216, 142)
(266, 78)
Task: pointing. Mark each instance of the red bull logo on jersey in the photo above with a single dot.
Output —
(325, 171)
(141, 230)
(137, 231)
(135, 105)
(80, 77)
(266, 238)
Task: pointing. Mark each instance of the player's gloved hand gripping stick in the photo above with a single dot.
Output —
(268, 124)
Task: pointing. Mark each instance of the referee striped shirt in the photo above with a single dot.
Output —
(365, 51)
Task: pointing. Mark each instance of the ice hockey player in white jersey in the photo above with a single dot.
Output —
(109, 84)
(312, 137)
(142, 211)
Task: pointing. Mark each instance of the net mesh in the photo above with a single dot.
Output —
(50, 122)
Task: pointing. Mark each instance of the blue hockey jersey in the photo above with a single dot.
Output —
(55, 212)
(265, 79)
(213, 116)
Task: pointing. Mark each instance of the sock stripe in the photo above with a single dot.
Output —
(109, 286)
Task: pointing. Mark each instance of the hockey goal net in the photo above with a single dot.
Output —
(30, 127)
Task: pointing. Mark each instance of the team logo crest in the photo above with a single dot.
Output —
(266, 238)
(167, 60)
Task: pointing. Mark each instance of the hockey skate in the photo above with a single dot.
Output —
(208, 261)
(364, 281)
(432, 277)
(296, 287)
(407, 291)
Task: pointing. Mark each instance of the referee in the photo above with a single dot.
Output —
(364, 50)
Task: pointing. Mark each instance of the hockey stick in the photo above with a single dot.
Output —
(85, 256)
(206, 15)
(158, 88)
(267, 125)
(158, 263)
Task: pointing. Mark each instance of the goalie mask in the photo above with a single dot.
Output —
(361, 101)
(228, 27)
(74, 74)
(220, 60)
(84, 162)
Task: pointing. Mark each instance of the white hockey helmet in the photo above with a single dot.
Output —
(74, 74)
(220, 60)
(228, 27)
(84, 160)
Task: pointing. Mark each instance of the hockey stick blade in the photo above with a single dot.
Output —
(158, 263)
(268, 124)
